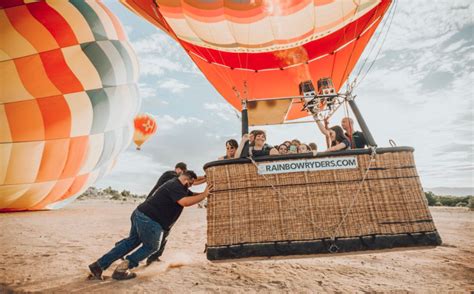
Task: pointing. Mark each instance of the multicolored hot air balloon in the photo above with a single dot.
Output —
(145, 127)
(264, 48)
(68, 95)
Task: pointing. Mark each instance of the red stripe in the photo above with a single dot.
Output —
(59, 72)
(56, 117)
(10, 3)
(77, 154)
(54, 23)
(316, 48)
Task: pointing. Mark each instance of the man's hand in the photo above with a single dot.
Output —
(245, 138)
(209, 189)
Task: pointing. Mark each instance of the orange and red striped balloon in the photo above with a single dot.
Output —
(145, 127)
(265, 48)
(68, 96)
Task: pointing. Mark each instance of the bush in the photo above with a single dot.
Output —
(452, 201)
(430, 196)
(471, 203)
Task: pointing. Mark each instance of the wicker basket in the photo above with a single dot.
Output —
(311, 212)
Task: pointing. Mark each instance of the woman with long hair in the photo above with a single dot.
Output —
(336, 136)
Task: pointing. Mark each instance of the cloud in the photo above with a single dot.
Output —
(167, 122)
(172, 85)
(222, 110)
(135, 171)
(159, 54)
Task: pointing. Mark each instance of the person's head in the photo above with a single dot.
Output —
(293, 149)
(260, 138)
(180, 168)
(313, 146)
(283, 149)
(347, 124)
(231, 146)
(252, 136)
(303, 148)
(287, 143)
(295, 142)
(337, 134)
(187, 178)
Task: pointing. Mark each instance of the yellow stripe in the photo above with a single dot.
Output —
(24, 162)
(5, 152)
(9, 194)
(5, 135)
(11, 86)
(76, 21)
(12, 43)
(32, 196)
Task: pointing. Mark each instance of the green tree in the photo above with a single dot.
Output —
(430, 196)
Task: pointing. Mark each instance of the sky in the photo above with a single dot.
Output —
(419, 93)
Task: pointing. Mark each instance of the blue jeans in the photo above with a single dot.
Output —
(144, 231)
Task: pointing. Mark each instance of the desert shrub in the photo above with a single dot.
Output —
(430, 196)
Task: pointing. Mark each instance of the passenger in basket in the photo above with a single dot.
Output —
(313, 146)
(283, 149)
(259, 148)
(293, 149)
(303, 148)
(336, 136)
(356, 138)
(295, 142)
(231, 147)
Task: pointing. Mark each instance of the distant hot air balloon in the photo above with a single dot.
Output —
(145, 127)
(68, 95)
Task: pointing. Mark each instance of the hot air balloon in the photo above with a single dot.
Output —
(68, 95)
(145, 127)
(265, 58)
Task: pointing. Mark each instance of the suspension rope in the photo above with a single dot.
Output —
(354, 198)
(389, 20)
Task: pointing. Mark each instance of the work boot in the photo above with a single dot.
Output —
(122, 272)
(96, 270)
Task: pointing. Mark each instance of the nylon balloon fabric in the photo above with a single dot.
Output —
(67, 100)
(259, 49)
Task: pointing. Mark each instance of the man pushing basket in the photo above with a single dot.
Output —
(148, 221)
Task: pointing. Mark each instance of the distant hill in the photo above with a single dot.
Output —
(445, 191)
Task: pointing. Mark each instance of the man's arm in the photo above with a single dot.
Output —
(200, 180)
(191, 200)
(238, 152)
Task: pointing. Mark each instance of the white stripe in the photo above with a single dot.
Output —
(82, 114)
(94, 151)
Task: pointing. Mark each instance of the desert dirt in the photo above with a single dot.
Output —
(49, 251)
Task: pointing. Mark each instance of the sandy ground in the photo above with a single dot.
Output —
(49, 252)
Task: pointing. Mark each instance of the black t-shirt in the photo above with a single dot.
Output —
(358, 140)
(264, 152)
(345, 141)
(162, 206)
(165, 177)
